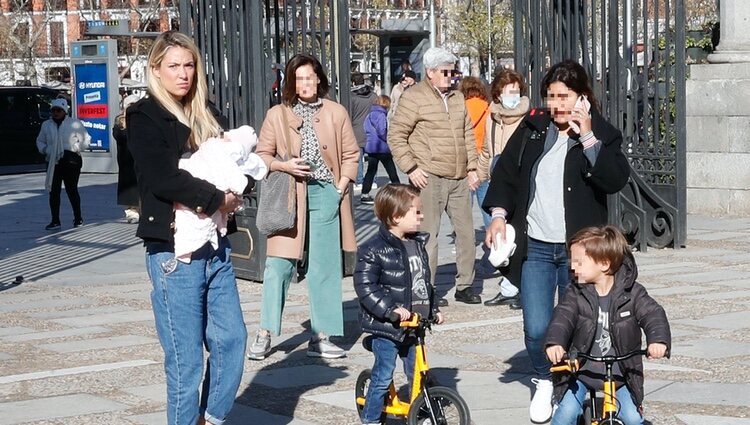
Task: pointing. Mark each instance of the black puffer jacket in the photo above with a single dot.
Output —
(383, 282)
(573, 324)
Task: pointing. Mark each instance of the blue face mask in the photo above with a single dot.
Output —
(510, 101)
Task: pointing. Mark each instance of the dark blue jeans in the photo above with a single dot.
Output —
(546, 268)
(386, 352)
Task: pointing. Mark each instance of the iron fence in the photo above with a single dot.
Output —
(246, 44)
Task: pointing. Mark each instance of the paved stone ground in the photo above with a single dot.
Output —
(77, 342)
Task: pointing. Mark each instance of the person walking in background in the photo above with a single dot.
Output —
(432, 140)
(475, 95)
(61, 140)
(127, 185)
(509, 106)
(376, 148)
(552, 180)
(360, 101)
(195, 304)
(408, 79)
(323, 160)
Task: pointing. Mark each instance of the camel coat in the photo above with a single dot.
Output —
(340, 153)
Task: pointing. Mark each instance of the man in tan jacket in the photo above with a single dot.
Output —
(432, 140)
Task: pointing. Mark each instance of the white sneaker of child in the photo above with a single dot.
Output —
(507, 288)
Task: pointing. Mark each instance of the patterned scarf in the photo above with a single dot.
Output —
(310, 145)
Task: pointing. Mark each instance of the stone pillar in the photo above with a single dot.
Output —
(718, 121)
(734, 46)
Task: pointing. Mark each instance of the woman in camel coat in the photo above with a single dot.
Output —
(323, 160)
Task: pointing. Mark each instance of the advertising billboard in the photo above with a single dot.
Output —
(92, 103)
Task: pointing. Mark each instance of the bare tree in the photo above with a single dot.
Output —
(21, 31)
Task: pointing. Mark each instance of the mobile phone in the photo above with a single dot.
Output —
(309, 164)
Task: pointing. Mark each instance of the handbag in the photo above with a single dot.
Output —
(277, 206)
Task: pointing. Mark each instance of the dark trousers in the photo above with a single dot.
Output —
(67, 171)
(372, 169)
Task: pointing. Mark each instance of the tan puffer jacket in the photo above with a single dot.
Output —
(426, 133)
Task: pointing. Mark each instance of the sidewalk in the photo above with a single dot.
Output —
(77, 342)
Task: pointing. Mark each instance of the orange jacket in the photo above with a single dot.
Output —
(478, 110)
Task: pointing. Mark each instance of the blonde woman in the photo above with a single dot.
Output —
(194, 303)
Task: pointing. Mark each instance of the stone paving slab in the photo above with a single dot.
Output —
(5, 356)
(712, 420)
(155, 393)
(107, 319)
(14, 330)
(677, 290)
(17, 412)
(703, 393)
(75, 371)
(99, 343)
(299, 376)
(715, 296)
(52, 303)
(710, 348)
(728, 321)
(79, 312)
(33, 336)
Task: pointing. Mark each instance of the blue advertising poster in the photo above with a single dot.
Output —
(92, 103)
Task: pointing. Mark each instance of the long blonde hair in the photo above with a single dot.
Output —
(192, 110)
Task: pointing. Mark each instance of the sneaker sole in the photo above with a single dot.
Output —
(325, 355)
(257, 356)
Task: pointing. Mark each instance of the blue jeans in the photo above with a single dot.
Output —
(386, 351)
(571, 406)
(546, 268)
(481, 192)
(197, 304)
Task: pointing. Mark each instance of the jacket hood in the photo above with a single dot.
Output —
(363, 90)
(378, 108)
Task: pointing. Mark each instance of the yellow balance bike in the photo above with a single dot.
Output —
(608, 401)
(428, 404)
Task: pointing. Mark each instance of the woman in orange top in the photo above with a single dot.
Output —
(477, 104)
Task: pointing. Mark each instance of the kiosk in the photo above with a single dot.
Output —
(96, 100)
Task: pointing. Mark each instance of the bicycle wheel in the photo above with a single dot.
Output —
(448, 406)
(360, 390)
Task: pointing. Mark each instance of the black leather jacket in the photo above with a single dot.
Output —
(573, 324)
(383, 281)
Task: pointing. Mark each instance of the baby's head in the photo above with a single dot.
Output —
(596, 251)
(398, 206)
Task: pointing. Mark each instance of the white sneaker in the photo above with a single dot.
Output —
(374, 185)
(357, 187)
(540, 409)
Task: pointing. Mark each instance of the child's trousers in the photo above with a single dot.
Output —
(571, 406)
(386, 352)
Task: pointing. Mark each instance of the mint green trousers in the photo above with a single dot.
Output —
(324, 269)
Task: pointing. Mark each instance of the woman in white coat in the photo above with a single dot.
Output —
(61, 140)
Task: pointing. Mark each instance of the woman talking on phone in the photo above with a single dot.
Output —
(552, 180)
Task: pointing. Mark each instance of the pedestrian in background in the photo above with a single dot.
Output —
(127, 185)
(551, 181)
(360, 101)
(195, 304)
(61, 140)
(509, 106)
(376, 148)
(408, 79)
(323, 160)
(432, 140)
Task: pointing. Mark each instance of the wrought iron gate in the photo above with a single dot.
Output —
(246, 44)
(634, 51)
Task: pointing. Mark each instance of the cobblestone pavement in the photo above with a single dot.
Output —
(78, 345)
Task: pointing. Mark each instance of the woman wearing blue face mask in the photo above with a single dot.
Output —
(506, 110)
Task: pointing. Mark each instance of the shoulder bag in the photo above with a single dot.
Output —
(277, 206)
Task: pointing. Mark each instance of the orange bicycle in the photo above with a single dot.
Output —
(609, 401)
(428, 404)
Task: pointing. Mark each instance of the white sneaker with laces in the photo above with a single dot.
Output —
(540, 409)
